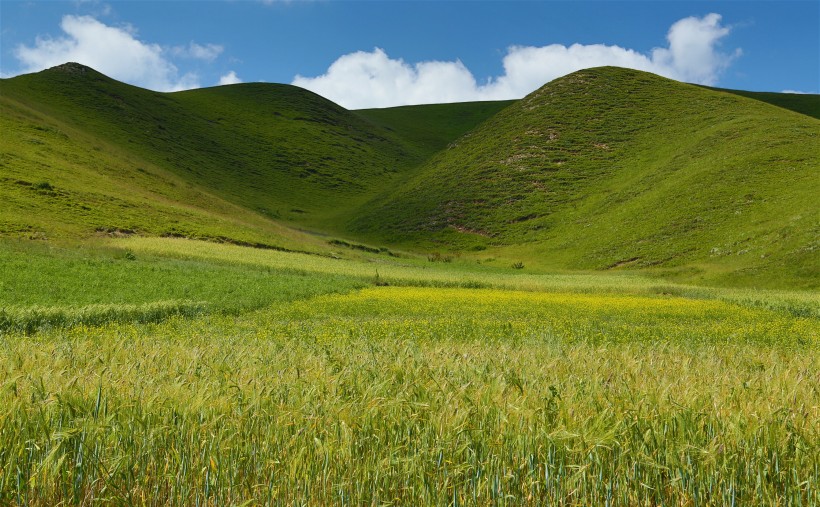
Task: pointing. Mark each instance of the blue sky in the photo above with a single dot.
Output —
(374, 54)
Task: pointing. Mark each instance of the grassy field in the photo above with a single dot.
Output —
(44, 287)
(303, 379)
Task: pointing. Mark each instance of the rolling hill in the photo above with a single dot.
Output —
(610, 168)
(603, 169)
(84, 153)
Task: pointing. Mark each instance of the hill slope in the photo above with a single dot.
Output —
(61, 182)
(610, 167)
(269, 153)
(431, 127)
(803, 103)
(275, 149)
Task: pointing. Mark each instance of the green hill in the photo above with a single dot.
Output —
(603, 169)
(278, 150)
(61, 182)
(609, 168)
(191, 372)
(109, 156)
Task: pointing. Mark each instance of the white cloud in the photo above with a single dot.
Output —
(207, 52)
(229, 79)
(114, 51)
(692, 54)
(373, 79)
(796, 92)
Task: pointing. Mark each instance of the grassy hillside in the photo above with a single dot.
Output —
(431, 127)
(243, 153)
(189, 372)
(85, 153)
(61, 182)
(611, 168)
(276, 149)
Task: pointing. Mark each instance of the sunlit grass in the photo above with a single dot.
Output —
(405, 395)
(159, 371)
(28, 319)
(466, 274)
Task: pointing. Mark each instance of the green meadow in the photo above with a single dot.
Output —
(605, 293)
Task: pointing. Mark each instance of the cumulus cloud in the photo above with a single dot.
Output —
(114, 51)
(373, 79)
(692, 54)
(229, 79)
(207, 52)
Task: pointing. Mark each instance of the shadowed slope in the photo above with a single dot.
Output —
(808, 104)
(431, 127)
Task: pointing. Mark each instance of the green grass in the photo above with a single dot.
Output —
(466, 273)
(615, 169)
(30, 319)
(164, 371)
(65, 183)
(152, 279)
(43, 287)
(575, 319)
(275, 151)
(232, 162)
